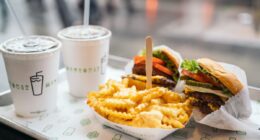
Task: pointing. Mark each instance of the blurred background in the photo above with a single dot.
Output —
(224, 30)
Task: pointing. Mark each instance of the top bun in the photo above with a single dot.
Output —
(228, 79)
(173, 58)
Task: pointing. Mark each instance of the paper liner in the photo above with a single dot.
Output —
(142, 133)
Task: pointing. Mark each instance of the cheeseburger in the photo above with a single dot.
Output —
(208, 84)
(165, 67)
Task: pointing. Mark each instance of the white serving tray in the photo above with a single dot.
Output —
(74, 120)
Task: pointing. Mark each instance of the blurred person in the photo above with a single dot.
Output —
(151, 7)
(95, 15)
(111, 6)
(37, 5)
(37, 9)
(64, 13)
(129, 6)
(4, 16)
(208, 11)
(256, 12)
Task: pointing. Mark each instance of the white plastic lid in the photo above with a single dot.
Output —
(84, 32)
(30, 44)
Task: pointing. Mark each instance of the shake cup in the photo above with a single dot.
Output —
(85, 54)
(32, 64)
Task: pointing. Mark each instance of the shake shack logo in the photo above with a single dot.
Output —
(87, 70)
(101, 68)
(36, 84)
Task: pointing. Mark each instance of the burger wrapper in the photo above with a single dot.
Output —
(142, 133)
(233, 115)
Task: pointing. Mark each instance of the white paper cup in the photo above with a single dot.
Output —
(85, 57)
(32, 73)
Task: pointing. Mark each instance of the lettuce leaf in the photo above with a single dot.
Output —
(142, 52)
(158, 54)
(163, 57)
(192, 66)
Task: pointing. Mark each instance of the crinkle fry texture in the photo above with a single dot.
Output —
(152, 108)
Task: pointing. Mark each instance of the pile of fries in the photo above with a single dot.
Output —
(150, 108)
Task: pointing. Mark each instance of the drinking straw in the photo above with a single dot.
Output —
(10, 7)
(148, 62)
(86, 12)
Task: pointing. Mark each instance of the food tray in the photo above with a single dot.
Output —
(74, 119)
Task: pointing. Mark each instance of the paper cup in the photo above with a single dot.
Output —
(85, 54)
(32, 64)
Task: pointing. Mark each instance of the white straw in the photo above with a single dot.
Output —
(9, 5)
(86, 12)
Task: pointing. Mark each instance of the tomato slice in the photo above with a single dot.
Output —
(141, 60)
(163, 69)
(210, 80)
(158, 61)
(194, 76)
(200, 77)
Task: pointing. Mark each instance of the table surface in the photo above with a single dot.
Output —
(7, 132)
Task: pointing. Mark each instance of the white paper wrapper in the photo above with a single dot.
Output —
(236, 110)
(142, 133)
(233, 115)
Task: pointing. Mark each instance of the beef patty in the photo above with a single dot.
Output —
(204, 99)
(140, 70)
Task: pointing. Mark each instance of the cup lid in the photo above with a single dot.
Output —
(30, 44)
(89, 32)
